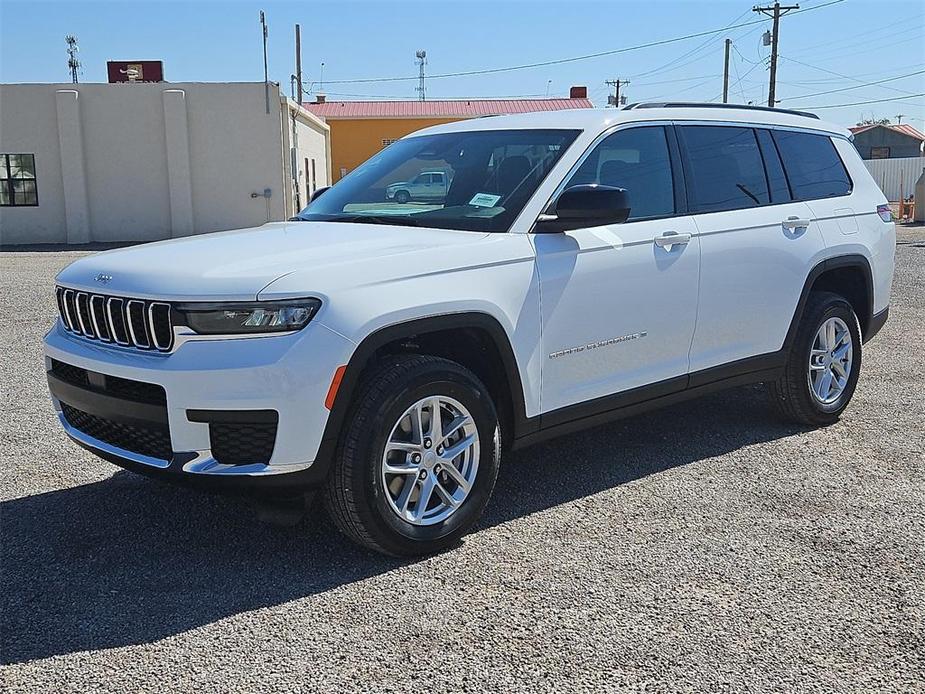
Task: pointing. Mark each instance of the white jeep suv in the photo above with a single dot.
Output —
(582, 266)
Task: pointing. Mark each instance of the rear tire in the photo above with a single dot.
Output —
(391, 455)
(823, 364)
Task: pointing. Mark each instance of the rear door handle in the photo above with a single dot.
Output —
(796, 223)
(670, 238)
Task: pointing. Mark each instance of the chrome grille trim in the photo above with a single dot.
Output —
(99, 317)
(131, 328)
(99, 320)
(152, 329)
(68, 318)
(121, 313)
(80, 319)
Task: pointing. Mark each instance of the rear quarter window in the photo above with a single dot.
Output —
(812, 164)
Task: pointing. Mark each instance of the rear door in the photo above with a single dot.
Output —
(757, 243)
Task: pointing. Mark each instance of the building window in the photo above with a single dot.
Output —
(17, 181)
(879, 152)
(387, 141)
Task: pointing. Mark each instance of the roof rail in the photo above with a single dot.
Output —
(695, 104)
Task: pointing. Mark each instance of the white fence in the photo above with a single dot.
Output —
(893, 174)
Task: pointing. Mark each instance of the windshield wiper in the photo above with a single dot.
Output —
(392, 220)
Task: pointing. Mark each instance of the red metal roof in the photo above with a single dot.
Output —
(471, 108)
(903, 128)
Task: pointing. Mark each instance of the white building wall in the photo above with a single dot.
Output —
(895, 174)
(29, 125)
(158, 160)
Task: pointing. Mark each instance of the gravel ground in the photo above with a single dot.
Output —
(727, 552)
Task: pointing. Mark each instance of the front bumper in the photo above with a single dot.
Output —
(205, 381)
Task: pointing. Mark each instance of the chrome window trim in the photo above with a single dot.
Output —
(682, 122)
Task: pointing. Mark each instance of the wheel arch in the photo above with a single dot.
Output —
(847, 275)
(447, 335)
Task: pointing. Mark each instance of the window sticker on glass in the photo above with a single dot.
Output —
(484, 200)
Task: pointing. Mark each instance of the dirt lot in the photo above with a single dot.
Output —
(726, 552)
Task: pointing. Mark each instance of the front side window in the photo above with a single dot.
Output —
(490, 175)
(638, 161)
(17, 181)
(813, 166)
(725, 170)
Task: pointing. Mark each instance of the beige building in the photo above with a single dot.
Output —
(83, 163)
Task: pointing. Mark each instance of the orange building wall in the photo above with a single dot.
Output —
(355, 141)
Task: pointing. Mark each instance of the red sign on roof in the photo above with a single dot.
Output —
(135, 70)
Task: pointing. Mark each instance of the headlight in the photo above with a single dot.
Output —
(257, 317)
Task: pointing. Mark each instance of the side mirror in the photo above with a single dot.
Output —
(588, 205)
(318, 193)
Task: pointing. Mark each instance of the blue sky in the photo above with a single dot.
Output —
(839, 48)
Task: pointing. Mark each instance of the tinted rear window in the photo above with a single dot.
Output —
(725, 168)
(813, 166)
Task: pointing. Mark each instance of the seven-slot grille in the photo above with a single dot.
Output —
(117, 320)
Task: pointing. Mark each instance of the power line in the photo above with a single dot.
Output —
(838, 74)
(673, 63)
(861, 86)
(865, 36)
(894, 39)
(862, 103)
(589, 56)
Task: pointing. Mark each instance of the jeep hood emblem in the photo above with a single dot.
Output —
(103, 278)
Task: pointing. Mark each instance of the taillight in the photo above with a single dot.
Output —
(886, 214)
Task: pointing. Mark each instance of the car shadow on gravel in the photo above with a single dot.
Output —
(128, 560)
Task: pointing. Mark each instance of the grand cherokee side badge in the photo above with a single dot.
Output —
(103, 279)
(599, 344)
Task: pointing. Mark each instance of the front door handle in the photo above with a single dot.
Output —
(670, 238)
(795, 223)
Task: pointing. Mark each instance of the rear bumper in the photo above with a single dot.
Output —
(201, 405)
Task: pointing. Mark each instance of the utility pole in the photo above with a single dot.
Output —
(266, 77)
(726, 73)
(72, 50)
(899, 118)
(298, 60)
(775, 12)
(422, 61)
(614, 100)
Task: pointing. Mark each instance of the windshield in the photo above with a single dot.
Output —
(472, 181)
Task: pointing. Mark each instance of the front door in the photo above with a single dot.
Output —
(619, 302)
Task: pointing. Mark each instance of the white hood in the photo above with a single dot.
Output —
(237, 265)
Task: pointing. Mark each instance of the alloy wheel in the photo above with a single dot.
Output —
(830, 361)
(430, 460)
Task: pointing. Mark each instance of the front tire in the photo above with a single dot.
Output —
(402, 197)
(405, 481)
(823, 365)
